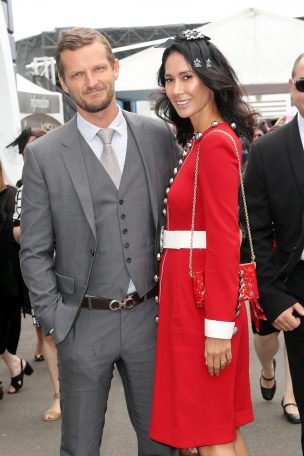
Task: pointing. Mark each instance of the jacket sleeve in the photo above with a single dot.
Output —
(219, 181)
(274, 296)
(37, 243)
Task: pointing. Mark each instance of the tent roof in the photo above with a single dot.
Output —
(260, 46)
(24, 85)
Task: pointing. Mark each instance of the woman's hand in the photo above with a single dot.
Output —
(217, 354)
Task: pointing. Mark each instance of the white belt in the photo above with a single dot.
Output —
(182, 239)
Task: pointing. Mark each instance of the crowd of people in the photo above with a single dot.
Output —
(128, 230)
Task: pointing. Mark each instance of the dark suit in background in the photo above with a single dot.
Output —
(274, 186)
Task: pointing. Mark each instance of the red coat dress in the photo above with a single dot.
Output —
(190, 407)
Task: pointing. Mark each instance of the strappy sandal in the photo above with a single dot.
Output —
(50, 414)
(17, 381)
(268, 393)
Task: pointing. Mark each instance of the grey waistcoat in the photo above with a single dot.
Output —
(124, 226)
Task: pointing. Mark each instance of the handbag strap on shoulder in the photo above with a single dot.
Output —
(217, 130)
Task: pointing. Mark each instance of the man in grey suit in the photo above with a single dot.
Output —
(91, 212)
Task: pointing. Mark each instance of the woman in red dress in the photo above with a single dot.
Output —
(202, 392)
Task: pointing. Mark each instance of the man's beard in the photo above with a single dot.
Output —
(92, 108)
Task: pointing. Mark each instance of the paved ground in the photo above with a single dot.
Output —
(23, 433)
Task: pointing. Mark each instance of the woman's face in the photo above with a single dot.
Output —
(257, 134)
(185, 90)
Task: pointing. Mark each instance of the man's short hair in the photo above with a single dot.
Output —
(77, 38)
(294, 68)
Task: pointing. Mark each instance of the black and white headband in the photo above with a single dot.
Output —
(196, 45)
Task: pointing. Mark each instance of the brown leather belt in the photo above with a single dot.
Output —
(91, 302)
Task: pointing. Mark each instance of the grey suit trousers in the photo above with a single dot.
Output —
(98, 340)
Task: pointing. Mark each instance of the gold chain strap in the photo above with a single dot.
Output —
(193, 209)
(216, 130)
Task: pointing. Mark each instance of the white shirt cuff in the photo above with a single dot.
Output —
(219, 329)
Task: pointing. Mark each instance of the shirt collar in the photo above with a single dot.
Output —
(89, 130)
(301, 123)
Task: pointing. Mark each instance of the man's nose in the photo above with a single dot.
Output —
(90, 80)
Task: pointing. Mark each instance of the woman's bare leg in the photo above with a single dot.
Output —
(266, 347)
(39, 346)
(236, 448)
(50, 356)
(288, 397)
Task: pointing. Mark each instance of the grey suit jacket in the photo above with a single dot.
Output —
(58, 236)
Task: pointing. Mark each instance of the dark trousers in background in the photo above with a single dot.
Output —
(10, 323)
(295, 348)
(295, 343)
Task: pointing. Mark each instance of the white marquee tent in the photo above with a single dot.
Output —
(261, 47)
(36, 104)
(34, 99)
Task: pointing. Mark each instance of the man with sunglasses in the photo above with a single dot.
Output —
(274, 186)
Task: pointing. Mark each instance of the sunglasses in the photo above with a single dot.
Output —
(299, 84)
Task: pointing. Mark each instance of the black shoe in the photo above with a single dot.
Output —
(1, 391)
(268, 393)
(17, 381)
(38, 358)
(293, 418)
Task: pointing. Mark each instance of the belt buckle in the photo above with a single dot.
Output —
(127, 303)
(113, 306)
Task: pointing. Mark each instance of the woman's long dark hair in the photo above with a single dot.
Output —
(219, 77)
(22, 140)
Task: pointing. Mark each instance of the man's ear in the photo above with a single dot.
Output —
(116, 69)
(290, 84)
(63, 84)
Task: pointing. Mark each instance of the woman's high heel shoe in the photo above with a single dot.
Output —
(17, 381)
(293, 418)
(268, 393)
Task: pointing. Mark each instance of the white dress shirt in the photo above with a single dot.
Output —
(119, 144)
(119, 140)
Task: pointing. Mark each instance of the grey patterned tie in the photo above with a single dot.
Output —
(108, 158)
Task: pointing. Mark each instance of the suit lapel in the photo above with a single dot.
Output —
(296, 153)
(145, 146)
(73, 159)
